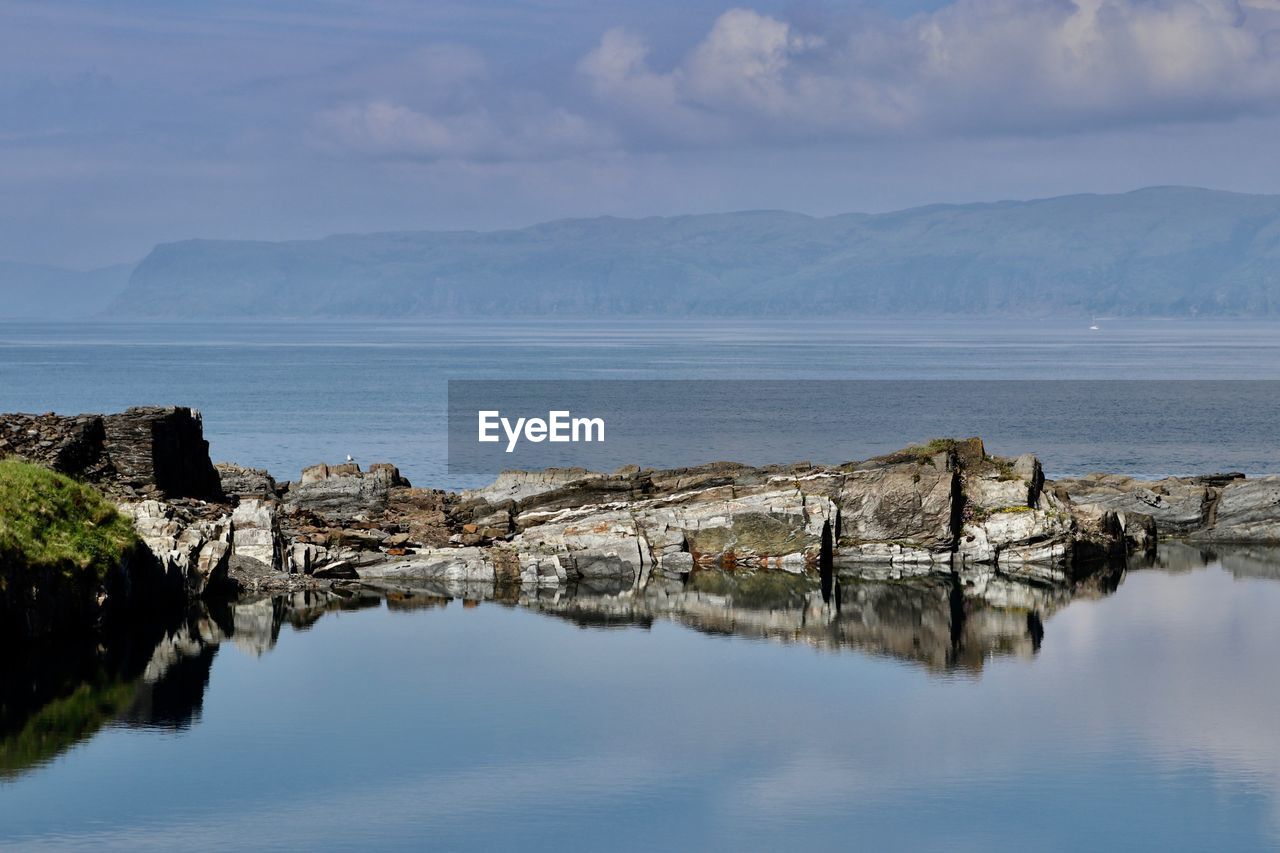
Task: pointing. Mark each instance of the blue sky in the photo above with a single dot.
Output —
(140, 121)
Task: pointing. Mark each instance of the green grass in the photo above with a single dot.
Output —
(49, 521)
(922, 454)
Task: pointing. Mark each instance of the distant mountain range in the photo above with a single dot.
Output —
(1164, 251)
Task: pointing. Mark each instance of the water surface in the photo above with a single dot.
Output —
(731, 714)
(283, 396)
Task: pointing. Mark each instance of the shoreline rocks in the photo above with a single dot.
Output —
(946, 509)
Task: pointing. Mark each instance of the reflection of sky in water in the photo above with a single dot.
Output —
(1147, 719)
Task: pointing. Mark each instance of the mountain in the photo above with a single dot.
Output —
(1166, 251)
(34, 291)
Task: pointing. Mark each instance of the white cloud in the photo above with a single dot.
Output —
(388, 129)
(979, 67)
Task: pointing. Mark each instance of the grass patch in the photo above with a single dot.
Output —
(49, 521)
(923, 453)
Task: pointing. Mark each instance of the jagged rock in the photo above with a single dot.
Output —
(773, 524)
(303, 558)
(458, 564)
(342, 492)
(158, 450)
(1140, 531)
(518, 485)
(1017, 539)
(240, 482)
(904, 512)
(1244, 511)
(392, 473)
(190, 550)
(257, 532)
(69, 445)
(1178, 505)
(162, 447)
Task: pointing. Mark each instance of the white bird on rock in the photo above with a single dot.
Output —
(349, 459)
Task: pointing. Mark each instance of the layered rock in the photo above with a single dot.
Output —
(343, 491)
(153, 451)
(921, 511)
(257, 533)
(161, 448)
(1244, 511)
(193, 552)
(1177, 505)
(1214, 508)
(1012, 522)
(240, 482)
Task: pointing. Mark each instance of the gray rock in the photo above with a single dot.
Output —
(257, 533)
(1245, 511)
(1178, 505)
(240, 482)
(194, 552)
(448, 564)
(903, 511)
(342, 492)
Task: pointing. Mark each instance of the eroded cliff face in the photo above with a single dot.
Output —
(153, 451)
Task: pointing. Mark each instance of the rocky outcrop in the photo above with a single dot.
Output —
(927, 510)
(946, 509)
(1244, 511)
(149, 451)
(518, 485)
(257, 533)
(343, 491)
(193, 552)
(69, 445)
(240, 482)
(1177, 505)
(900, 509)
(1215, 508)
(161, 448)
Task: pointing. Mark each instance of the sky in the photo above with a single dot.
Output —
(127, 124)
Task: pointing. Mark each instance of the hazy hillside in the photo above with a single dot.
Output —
(32, 291)
(1161, 251)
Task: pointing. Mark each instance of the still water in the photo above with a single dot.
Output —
(287, 396)
(729, 713)
(735, 712)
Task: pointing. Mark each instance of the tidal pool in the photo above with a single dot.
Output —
(729, 711)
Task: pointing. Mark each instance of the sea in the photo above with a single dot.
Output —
(1137, 713)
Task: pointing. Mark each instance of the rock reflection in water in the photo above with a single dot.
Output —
(52, 697)
(943, 624)
(56, 694)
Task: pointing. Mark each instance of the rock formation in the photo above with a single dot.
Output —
(1226, 508)
(148, 451)
(945, 510)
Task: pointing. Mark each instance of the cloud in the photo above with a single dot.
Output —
(975, 67)
(384, 128)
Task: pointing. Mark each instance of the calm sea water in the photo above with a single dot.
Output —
(1141, 717)
(286, 396)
